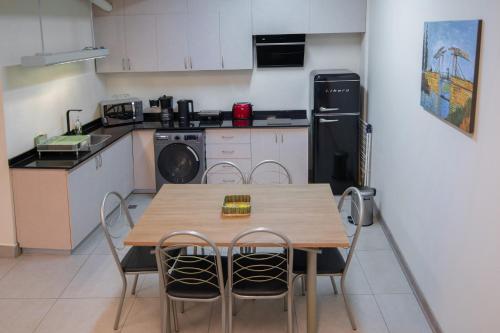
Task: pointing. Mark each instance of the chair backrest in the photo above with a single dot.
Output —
(194, 269)
(223, 163)
(267, 162)
(274, 262)
(117, 224)
(359, 206)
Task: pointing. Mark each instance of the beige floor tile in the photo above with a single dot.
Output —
(402, 313)
(196, 317)
(6, 265)
(40, 276)
(332, 314)
(143, 317)
(98, 277)
(90, 243)
(263, 316)
(383, 272)
(22, 316)
(373, 238)
(148, 286)
(83, 316)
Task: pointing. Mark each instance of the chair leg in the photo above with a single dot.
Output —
(176, 319)
(230, 314)
(347, 305)
(285, 306)
(134, 285)
(303, 284)
(120, 306)
(290, 311)
(182, 307)
(165, 314)
(334, 285)
(234, 306)
(223, 317)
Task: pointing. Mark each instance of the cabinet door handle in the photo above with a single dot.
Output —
(228, 181)
(96, 159)
(282, 138)
(228, 151)
(185, 63)
(276, 138)
(190, 62)
(324, 121)
(129, 67)
(123, 64)
(222, 61)
(228, 137)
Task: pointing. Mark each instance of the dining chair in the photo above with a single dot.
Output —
(330, 261)
(137, 260)
(204, 177)
(188, 276)
(264, 274)
(250, 179)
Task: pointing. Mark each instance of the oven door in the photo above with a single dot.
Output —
(280, 50)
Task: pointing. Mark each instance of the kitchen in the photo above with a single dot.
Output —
(207, 82)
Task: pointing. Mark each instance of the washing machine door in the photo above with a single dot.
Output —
(178, 163)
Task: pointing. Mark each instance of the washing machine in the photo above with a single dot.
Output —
(180, 157)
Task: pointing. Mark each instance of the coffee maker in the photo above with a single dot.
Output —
(166, 107)
(185, 112)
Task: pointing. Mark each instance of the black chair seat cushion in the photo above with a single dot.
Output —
(263, 279)
(189, 271)
(139, 259)
(330, 261)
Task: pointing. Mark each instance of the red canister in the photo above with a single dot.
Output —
(242, 111)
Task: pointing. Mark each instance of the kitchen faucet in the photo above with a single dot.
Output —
(78, 125)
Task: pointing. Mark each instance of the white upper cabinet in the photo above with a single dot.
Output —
(172, 6)
(140, 7)
(172, 42)
(203, 36)
(110, 32)
(337, 16)
(280, 16)
(236, 34)
(140, 41)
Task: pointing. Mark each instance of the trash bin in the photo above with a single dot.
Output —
(367, 193)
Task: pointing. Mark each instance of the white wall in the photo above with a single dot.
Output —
(36, 99)
(438, 189)
(267, 89)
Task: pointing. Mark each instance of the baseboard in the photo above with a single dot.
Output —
(10, 251)
(142, 191)
(27, 250)
(424, 305)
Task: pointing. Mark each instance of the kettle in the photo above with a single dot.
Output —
(242, 110)
(185, 111)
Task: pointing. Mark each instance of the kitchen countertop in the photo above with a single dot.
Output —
(68, 161)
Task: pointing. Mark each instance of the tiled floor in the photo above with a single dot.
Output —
(79, 293)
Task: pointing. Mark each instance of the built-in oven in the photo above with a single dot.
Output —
(121, 111)
(280, 50)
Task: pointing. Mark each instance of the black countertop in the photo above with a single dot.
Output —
(67, 161)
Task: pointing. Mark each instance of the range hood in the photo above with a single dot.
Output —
(88, 53)
(47, 59)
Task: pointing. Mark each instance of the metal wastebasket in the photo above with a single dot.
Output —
(367, 193)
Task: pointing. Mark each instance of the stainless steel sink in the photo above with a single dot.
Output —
(98, 139)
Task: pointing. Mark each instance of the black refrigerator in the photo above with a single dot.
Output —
(336, 114)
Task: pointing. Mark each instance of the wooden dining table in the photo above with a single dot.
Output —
(306, 214)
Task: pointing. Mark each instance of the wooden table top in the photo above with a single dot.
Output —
(306, 214)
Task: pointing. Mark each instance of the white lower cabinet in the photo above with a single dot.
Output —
(110, 170)
(289, 146)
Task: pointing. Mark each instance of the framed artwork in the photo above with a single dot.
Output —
(450, 65)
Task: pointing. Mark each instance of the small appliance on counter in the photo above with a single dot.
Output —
(167, 108)
(121, 111)
(185, 111)
(242, 111)
(208, 116)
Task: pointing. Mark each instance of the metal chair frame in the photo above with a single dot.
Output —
(355, 193)
(165, 270)
(287, 296)
(250, 179)
(109, 238)
(205, 174)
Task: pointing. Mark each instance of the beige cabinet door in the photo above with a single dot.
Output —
(172, 42)
(337, 16)
(109, 32)
(140, 43)
(265, 147)
(144, 161)
(294, 148)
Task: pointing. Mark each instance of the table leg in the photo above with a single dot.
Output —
(312, 324)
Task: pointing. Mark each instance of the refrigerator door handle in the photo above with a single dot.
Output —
(335, 114)
(324, 121)
(323, 109)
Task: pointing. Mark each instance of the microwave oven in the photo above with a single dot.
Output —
(280, 50)
(121, 111)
